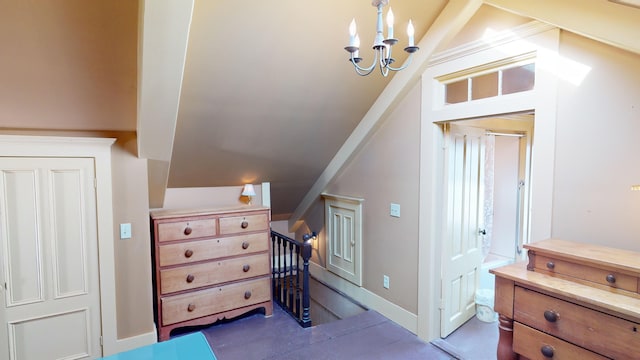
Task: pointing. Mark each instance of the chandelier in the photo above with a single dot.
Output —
(381, 46)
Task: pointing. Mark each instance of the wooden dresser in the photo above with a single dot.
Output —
(209, 265)
(571, 301)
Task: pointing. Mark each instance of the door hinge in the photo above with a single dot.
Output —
(441, 305)
(95, 183)
(101, 342)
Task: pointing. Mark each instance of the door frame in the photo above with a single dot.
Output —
(100, 150)
(460, 176)
(538, 39)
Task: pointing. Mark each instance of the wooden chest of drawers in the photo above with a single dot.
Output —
(571, 301)
(209, 265)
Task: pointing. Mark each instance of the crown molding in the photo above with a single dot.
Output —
(500, 38)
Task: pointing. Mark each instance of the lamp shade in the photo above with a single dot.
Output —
(248, 190)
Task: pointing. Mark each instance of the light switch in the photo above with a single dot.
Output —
(125, 231)
(394, 210)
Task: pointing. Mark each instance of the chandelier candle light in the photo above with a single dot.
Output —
(381, 46)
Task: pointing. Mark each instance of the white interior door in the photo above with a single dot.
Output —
(49, 259)
(462, 243)
(343, 222)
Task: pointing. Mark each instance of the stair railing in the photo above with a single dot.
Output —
(290, 276)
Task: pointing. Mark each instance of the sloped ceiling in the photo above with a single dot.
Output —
(268, 93)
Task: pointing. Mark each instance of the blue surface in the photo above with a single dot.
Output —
(187, 347)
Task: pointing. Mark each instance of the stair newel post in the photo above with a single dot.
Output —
(306, 301)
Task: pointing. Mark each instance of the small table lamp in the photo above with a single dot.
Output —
(248, 191)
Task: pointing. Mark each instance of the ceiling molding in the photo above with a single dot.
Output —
(616, 25)
(501, 38)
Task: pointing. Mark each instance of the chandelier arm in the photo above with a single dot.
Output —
(362, 71)
(406, 63)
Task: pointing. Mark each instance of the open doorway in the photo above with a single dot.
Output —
(487, 164)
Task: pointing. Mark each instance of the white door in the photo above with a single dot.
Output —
(462, 243)
(344, 236)
(50, 308)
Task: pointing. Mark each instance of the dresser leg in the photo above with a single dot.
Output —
(505, 343)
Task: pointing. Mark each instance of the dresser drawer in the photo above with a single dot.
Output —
(188, 229)
(241, 224)
(534, 344)
(584, 272)
(196, 304)
(212, 273)
(596, 331)
(199, 250)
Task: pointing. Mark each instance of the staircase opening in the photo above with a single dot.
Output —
(306, 299)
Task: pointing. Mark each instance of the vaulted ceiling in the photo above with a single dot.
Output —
(268, 93)
(228, 92)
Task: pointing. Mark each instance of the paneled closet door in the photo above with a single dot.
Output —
(49, 259)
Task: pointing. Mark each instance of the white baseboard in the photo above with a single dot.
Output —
(133, 342)
(402, 317)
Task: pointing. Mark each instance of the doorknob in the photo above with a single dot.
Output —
(482, 232)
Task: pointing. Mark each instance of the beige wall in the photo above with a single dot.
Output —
(384, 171)
(73, 72)
(132, 256)
(209, 197)
(597, 147)
(598, 124)
(68, 64)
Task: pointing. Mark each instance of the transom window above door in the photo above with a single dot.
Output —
(492, 80)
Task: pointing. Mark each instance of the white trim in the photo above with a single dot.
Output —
(350, 199)
(266, 194)
(346, 207)
(501, 38)
(134, 342)
(542, 100)
(100, 150)
(395, 313)
(616, 25)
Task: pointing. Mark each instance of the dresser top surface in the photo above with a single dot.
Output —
(167, 213)
(601, 256)
(625, 305)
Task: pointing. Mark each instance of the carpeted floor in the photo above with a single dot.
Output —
(368, 335)
(475, 340)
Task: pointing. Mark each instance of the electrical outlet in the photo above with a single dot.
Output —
(394, 210)
(385, 281)
(125, 231)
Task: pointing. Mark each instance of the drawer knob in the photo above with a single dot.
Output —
(247, 294)
(551, 265)
(611, 279)
(191, 307)
(547, 351)
(551, 316)
(187, 230)
(190, 278)
(245, 224)
(245, 245)
(188, 253)
(246, 267)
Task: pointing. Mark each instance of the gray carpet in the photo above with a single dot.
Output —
(475, 340)
(368, 335)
